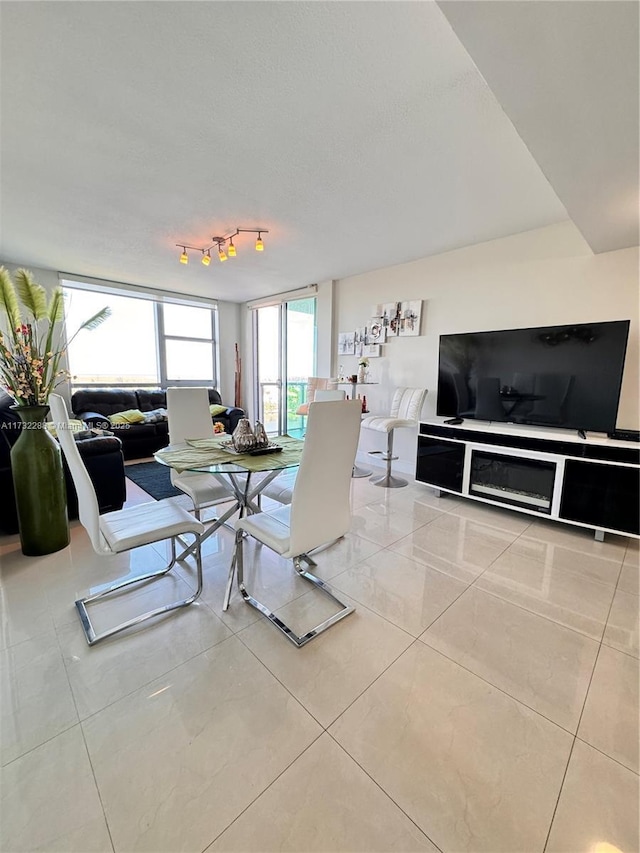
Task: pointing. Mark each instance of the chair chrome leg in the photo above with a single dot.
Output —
(81, 603)
(232, 569)
(387, 480)
(297, 640)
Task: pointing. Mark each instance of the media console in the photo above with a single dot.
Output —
(592, 482)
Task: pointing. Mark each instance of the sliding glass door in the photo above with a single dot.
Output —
(285, 353)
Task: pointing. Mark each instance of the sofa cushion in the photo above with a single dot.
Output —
(131, 416)
(106, 401)
(150, 399)
(217, 409)
(127, 432)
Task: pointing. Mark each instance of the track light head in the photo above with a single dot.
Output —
(219, 242)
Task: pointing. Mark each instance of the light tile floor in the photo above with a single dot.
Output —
(483, 696)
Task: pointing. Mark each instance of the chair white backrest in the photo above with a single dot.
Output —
(320, 505)
(188, 415)
(88, 510)
(407, 403)
(327, 396)
(315, 384)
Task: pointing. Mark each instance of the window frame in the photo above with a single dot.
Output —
(161, 345)
(158, 299)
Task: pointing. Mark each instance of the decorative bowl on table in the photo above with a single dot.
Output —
(243, 438)
(246, 440)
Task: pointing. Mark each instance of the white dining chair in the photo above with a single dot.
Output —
(281, 489)
(189, 417)
(327, 396)
(405, 411)
(123, 530)
(319, 512)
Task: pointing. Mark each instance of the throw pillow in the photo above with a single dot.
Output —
(130, 416)
(217, 409)
(155, 416)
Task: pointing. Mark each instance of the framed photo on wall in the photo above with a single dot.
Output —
(346, 343)
(371, 350)
(376, 331)
(409, 318)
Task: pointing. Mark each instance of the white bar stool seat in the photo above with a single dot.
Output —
(405, 412)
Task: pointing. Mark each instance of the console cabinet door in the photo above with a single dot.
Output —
(601, 495)
(440, 463)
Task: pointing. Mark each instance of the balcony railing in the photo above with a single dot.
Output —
(269, 404)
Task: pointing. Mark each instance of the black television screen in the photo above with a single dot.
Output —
(558, 376)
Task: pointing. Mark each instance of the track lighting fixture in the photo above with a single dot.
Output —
(220, 243)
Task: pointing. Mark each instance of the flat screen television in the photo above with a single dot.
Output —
(566, 377)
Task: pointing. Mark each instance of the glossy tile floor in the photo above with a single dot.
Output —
(483, 697)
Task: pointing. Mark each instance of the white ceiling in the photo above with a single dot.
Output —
(360, 134)
(567, 75)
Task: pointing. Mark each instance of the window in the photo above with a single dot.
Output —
(285, 355)
(187, 343)
(145, 342)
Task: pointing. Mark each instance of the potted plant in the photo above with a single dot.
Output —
(31, 351)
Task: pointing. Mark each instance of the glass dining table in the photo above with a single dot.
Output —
(235, 471)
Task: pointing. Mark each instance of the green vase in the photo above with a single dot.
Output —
(38, 483)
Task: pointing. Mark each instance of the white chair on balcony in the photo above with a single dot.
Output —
(319, 512)
(123, 530)
(405, 412)
(315, 384)
(329, 395)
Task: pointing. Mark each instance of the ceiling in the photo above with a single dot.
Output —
(360, 134)
(568, 76)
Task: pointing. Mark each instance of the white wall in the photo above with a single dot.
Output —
(229, 334)
(543, 277)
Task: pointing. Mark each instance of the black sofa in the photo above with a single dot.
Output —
(94, 405)
(102, 456)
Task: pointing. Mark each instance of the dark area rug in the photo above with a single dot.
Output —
(154, 478)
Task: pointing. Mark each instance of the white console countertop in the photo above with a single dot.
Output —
(543, 433)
